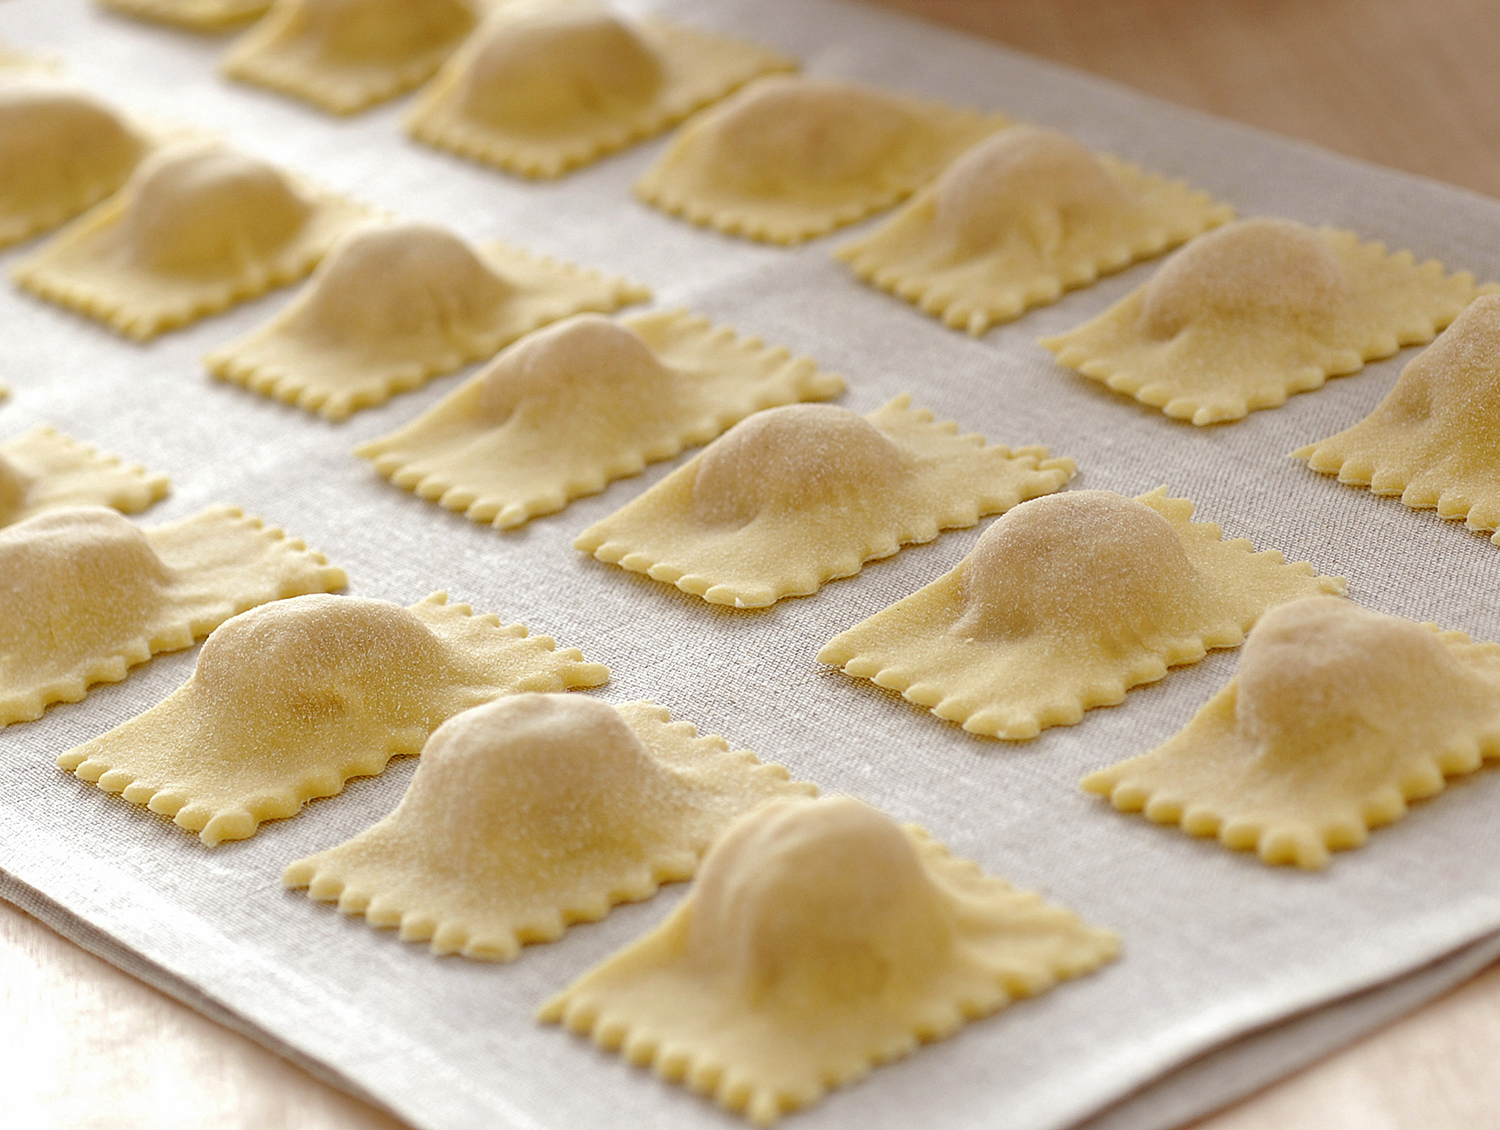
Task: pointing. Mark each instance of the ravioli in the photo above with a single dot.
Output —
(44, 470)
(1257, 310)
(535, 812)
(396, 305)
(195, 15)
(796, 496)
(1435, 439)
(1338, 716)
(88, 594)
(197, 228)
(1023, 216)
(545, 87)
(346, 55)
(291, 699)
(787, 159)
(821, 939)
(1065, 604)
(61, 151)
(582, 403)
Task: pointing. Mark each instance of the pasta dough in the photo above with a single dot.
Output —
(796, 496)
(1065, 604)
(195, 15)
(820, 940)
(1337, 718)
(396, 305)
(1021, 217)
(291, 699)
(787, 159)
(536, 812)
(197, 229)
(44, 470)
(61, 151)
(1435, 439)
(545, 87)
(1254, 311)
(585, 402)
(345, 55)
(88, 594)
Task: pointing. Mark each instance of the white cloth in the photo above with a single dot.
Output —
(1216, 945)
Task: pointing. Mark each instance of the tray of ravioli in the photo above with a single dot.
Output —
(742, 682)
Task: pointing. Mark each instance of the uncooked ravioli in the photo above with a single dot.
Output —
(196, 15)
(196, 229)
(291, 699)
(89, 594)
(787, 159)
(796, 496)
(61, 151)
(1338, 716)
(543, 87)
(821, 939)
(1255, 311)
(538, 811)
(1018, 219)
(395, 305)
(45, 470)
(1435, 439)
(1065, 604)
(345, 55)
(569, 409)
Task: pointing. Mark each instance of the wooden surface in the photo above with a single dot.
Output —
(1406, 83)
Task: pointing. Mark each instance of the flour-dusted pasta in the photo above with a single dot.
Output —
(291, 699)
(1254, 311)
(820, 940)
(45, 470)
(1065, 604)
(582, 403)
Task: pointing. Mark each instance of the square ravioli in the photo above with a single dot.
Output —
(45, 470)
(345, 55)
(291, 699)
(396, 305)
(195, 15)
(794, 497)
(568, 410)
(544, 87)
(821, 939)
(1254, 311)
(1337, 717)
(538, 811)
(1435, 438)
(88, 594)
(196, 229)
(1065, 604)
(1023, 216)
(789, 158)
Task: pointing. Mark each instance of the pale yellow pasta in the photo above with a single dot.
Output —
(1021, 217)
(346, 55)
(794, 497)
(195, 15)
(787, 159)
(567, 410)
(1338, 716)
(45, 470)
(1435, 439)
(1254, 311)
(394, 306)
(88, 594)
(1065, 604)
(538, 811)
(293, 698)
(196, 229)
(544, 87)
(821, 939)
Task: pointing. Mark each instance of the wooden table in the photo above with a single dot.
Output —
(1406, 83)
